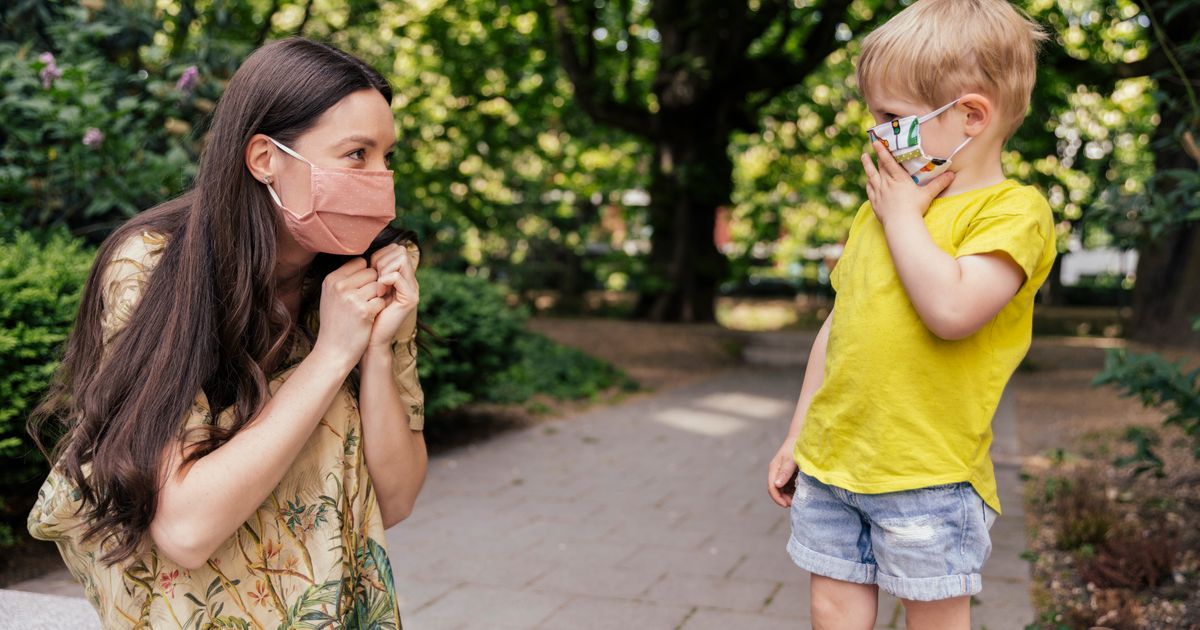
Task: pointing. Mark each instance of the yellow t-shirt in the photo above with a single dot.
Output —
(901, 408)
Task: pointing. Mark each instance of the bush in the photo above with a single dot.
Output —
(87, 142)
(1161, 384)
(476, 338)
(545, 367)
(40, 284)
(483, 353)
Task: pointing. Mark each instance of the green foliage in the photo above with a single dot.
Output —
(481, 351)
(40, 285)
(1158, 383)
(476, 340)
(87, 142)
(545, 367)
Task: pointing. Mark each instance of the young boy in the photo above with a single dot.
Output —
(895, 488)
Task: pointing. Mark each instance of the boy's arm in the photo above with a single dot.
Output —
(953, 296)
(783, 466)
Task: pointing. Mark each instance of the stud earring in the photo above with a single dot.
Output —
(267, 180)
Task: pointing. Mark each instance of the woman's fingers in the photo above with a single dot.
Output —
(383, 252)
(371, 290)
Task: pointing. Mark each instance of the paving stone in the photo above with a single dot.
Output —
(597, 582)
(707, 592)
(473, 605)
(592, 613)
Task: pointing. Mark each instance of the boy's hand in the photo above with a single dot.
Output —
(893, 192)
(781, 475)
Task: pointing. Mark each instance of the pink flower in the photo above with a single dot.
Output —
(92, 137)
(167, 581)
(50, 71)
(187, 81)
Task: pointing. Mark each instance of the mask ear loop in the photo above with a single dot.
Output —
(301, 158)
(270, 188)
(958, 148)
(933, 114)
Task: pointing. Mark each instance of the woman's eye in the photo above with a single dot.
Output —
(388, 158)
(357, 154)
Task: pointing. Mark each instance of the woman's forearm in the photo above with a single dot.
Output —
(203, 503)
(396, 457)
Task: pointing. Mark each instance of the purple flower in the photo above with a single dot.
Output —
(93, 137)
(187, 81)
(50, 71)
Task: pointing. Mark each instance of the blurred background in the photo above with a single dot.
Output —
(674, 161)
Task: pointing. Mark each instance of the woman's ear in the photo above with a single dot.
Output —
(258, 158)
(979, 112)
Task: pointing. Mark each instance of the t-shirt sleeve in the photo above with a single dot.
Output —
(404, 362)
(1018, 229)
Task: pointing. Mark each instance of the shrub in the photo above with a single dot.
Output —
(1158, 383)
(483, 353)
(545, 367)
(1085, 514)
(40, 284)
(86, 143)
(1132, 559)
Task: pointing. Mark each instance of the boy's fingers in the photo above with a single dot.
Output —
(940, 183)
(869, 167)
(886, 162)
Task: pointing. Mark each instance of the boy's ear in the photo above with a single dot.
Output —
(979, 113)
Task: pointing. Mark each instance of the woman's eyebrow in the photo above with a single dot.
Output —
(365, 140)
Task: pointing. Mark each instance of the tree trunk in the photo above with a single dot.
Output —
(1167, 294)
(692, 178)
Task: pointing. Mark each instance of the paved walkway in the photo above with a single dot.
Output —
(650, 514)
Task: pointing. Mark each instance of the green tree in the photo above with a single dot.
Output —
(707, 71)
(1160, 212)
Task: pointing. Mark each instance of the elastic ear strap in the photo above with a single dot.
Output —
(934, 114)
(275, 196)
(289, 151)
(959, 147)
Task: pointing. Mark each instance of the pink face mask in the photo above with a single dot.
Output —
(347, 208)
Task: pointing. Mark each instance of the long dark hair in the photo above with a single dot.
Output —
(208, 319)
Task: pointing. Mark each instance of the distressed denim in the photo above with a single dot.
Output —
(925, 544)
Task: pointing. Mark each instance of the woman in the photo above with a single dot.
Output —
(239, 395)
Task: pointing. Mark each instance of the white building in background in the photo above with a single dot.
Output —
(1078, 262)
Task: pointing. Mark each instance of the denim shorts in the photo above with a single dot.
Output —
(926, 544)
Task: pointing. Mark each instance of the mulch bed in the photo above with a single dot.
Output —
(1110, 548)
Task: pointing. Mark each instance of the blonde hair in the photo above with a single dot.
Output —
(937, 50)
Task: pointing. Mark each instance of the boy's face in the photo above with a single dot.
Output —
(939, 136)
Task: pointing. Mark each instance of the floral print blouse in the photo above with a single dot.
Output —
(312, 556)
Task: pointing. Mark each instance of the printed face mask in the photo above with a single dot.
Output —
(902, 137)
(347, 208)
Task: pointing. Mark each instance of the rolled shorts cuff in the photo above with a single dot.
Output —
(930, 589)
(829, 566)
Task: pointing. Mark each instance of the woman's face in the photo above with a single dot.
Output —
(358, 133)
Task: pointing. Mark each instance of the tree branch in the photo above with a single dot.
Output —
(595, 100)
(776, 72)
(266, 25)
